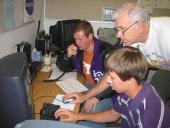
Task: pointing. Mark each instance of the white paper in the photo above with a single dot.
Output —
(58, 101)
(71, 85)
(56, 73)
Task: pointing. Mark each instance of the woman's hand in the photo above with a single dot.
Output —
(90, 104)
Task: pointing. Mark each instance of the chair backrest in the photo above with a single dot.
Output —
(107, 34)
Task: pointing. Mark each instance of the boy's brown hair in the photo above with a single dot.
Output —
(127, 62)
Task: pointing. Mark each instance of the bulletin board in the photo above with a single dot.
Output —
(12, 13)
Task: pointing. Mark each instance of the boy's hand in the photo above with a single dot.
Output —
(71, 116)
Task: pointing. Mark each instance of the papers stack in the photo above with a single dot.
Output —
(71, 85)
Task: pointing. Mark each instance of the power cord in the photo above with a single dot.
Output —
(52, 80)
(49, 97)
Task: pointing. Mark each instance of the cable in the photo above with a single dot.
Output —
(52, 80)
(49, 97)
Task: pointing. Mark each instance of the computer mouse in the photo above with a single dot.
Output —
(69, 100)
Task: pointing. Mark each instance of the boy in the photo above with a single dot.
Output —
(137, 104)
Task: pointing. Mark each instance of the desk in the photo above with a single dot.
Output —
(44, 92)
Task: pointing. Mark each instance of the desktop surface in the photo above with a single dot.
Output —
(45, 92)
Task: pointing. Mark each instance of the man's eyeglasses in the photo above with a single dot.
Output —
(123, 31)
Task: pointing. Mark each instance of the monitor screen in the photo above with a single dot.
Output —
(62, 33)
(15, 101)
(68, 29)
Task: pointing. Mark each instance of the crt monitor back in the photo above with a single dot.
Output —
(14, 105)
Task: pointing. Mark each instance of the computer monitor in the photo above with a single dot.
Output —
(15, 101)
(62, 33)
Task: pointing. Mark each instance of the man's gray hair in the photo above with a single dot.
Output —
(135, 12)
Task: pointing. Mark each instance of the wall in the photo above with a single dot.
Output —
(61, 9)
(95, 24)
(1, 20)
(161, 12)
(90, 10)
(26, 32)
(83, 9)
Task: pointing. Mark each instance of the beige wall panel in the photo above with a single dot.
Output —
(1, 17)
(83, 9)
(161, 12)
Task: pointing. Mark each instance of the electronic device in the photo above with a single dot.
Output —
(69, 100)
(35, 66)
(43, 44)
(15, 101)
(25, 47)
(48, 110)
(62, 33)
(40, 45)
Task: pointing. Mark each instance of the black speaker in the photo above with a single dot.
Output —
(40, 45)
(43, 42)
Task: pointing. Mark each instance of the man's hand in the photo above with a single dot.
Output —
(78, 97)
(72, 50)
(71, 116)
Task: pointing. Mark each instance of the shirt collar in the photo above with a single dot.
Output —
(140, 96)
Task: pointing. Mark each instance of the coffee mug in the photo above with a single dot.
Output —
(47, 60)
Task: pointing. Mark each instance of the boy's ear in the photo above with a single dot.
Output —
(129, 81)
(90, 36)
(132, 80)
